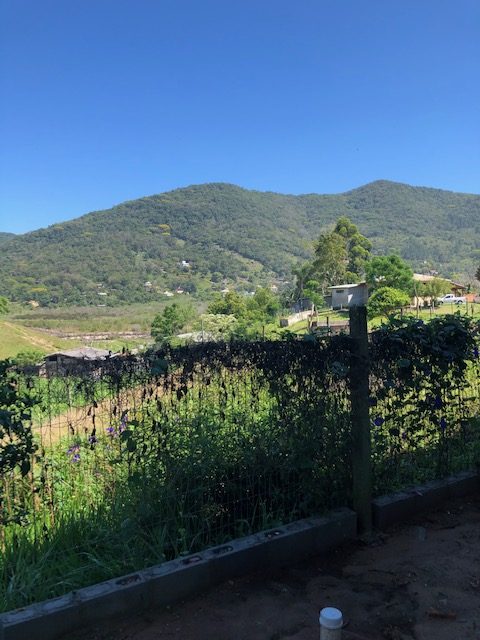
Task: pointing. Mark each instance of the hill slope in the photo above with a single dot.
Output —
(4, 237)
(224, 231)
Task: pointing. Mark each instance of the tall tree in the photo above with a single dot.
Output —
(340, 255)
(389, 271)
(331, 259)
(170, 321)
(3, 305)
(358, 248)
(302, 274)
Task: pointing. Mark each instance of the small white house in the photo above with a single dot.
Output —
(345, 296)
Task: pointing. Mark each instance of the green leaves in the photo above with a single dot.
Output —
(389, 271)
(16, 440)
(385, 300)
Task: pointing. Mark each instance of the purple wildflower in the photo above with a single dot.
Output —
(92, 439)
(111, 431)
(378, 421)
(75, 448)
(74, 453)
(404, 435)
(438, 404)
(443, 423)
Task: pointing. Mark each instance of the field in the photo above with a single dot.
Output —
(15, 337)
(48, 330)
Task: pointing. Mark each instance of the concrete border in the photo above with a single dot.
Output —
(172, 581)
(397, 507)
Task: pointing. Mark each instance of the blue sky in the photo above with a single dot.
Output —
(108, 100)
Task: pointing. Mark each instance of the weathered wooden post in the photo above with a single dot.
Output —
(360, 418)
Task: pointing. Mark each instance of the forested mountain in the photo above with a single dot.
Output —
(5, 236)
(206, 234)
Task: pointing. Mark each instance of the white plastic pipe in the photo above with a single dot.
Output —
(331, 622)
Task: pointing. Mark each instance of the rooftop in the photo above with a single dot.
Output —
(349, 286)
(85, 353)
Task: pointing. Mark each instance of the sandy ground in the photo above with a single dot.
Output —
(419, 581)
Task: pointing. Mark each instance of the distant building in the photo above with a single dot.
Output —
(63, 362)
(423, 279)
(345, 296)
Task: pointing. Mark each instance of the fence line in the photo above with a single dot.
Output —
(145, 459)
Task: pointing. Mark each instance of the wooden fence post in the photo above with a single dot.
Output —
(360, 418)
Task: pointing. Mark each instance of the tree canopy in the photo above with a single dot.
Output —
(389, 271)
(260, 308)
(170, 321)
(385, 300)
(340, 256)
(357, 246)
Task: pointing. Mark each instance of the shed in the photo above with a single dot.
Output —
(64, 362)
(345, 296)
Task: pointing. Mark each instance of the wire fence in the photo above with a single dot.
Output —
(424, 401)
(139, 460)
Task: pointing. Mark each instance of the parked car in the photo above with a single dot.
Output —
(452, 298)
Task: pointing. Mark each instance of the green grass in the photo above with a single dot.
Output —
(187, 472)
(472, 311)
(15, 338)
(333, 318)
(135, 317)
(45, 330)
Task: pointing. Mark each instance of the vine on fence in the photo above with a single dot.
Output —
(16, 441)
(424, 399)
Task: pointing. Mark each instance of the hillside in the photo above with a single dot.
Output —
(15, 338)
(225, 232)
(5, 236)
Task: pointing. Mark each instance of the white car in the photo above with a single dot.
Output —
(452, 298)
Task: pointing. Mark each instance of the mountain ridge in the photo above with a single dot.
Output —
(225, 233)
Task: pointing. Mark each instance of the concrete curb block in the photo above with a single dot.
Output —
(172, 581)
(397, 507)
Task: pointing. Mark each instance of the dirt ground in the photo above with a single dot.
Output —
(419, 581)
